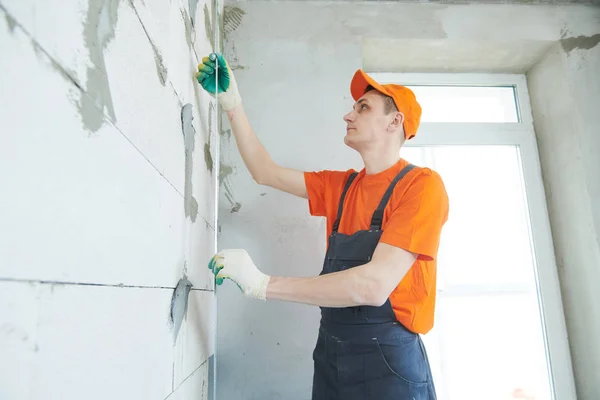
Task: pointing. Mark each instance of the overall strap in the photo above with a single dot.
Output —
(377, 218)
(336, 224)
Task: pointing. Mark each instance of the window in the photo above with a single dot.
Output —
(466, 103)
(499, 332)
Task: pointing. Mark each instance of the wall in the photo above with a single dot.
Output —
(107, 200)
(293, 62)
(565, 89)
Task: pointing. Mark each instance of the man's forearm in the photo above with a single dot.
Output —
(353, 287)
(254, 154)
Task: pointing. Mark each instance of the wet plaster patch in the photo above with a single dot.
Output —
(207, 154)
(193, 6)
(189, 29)
(179, 305)
(225, 171)
(208, 157)
(210, 25)
(189, 133)
(98, 31)
(579, 42)
(161, 69)
(226, 133)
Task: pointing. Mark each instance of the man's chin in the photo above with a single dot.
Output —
(348, 141)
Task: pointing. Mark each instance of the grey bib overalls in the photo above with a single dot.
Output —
(364, 353)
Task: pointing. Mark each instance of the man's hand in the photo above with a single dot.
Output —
(237, 265)
(227, 91)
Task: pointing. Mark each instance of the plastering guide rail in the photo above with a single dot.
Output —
(212, 368)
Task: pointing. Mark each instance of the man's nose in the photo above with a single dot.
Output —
(350, 116)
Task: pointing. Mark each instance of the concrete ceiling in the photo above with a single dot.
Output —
(412, 37)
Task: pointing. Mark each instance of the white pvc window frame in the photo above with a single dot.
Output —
(521, 135)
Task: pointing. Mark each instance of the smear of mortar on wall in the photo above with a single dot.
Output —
(10, 21)
(190, 203)
(210, 25)
(579, 42)
(224, 172)
(189, 30)
(224, 176)
(193, 6)
(232, 18)
(224, 132)
(179, 305)
(161, 69)
(207, 155)
(98, 31)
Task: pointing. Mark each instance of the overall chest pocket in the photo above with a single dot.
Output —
(348, 251)
(347, 314)
(342, 264)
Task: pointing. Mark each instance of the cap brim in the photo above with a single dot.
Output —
(360, 82)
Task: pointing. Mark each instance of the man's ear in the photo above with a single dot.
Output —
(397, 121)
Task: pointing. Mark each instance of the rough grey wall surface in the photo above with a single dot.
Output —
(565, 97)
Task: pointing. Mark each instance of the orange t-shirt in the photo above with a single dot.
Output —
(412, 220)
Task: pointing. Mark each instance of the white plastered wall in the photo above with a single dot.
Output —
(294, 61)
(104, 206)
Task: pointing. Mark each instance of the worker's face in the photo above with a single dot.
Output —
(368, 125)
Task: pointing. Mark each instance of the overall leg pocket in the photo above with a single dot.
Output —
(404, 358)
(321, 375)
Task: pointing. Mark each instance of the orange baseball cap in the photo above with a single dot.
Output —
(403, 97)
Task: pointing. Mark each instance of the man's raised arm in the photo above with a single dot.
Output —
(258, 161)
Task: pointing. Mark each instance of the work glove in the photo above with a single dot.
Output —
(227, 92)
(236, 265)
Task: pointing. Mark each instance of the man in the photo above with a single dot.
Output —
(377, 287)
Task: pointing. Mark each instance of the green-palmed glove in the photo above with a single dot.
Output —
(236, 265)
(227, 91)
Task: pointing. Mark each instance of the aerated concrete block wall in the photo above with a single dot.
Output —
(107, 200)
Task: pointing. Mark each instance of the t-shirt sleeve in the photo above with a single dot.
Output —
(416, 222)
(323, 187)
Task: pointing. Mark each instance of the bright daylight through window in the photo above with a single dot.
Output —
(492, 337)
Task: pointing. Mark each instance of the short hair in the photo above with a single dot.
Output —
(388, 102)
